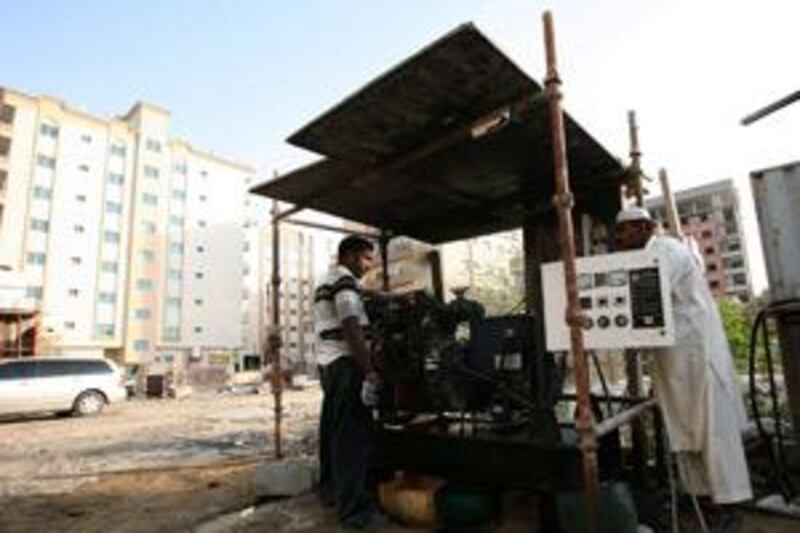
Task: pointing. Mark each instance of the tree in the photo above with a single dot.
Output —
(738, 325)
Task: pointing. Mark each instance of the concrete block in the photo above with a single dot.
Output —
(287, 478)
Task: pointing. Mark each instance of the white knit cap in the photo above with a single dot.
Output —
(633, 213)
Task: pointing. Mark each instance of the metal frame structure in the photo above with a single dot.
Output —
(589, 431)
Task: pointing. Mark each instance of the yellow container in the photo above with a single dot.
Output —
(411, 499)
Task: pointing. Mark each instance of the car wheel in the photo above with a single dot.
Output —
(89, 403)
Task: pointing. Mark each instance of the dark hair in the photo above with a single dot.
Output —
(354, 245)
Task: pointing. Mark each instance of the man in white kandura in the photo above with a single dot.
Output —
(695, 381)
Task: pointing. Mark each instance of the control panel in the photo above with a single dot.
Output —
(624, 298)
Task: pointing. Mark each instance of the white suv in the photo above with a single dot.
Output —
(83, 386)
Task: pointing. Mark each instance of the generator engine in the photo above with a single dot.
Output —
(451, 358)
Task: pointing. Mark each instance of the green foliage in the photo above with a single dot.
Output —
(738, 325)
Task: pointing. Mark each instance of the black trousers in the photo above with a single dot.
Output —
(345, 442)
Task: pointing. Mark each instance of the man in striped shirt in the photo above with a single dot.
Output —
(345, 364)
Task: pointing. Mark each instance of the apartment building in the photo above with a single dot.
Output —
(132, 240)
(305, 257)
(712, 215)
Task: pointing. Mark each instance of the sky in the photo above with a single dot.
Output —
(239, 76)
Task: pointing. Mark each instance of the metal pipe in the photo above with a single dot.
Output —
(327, 227)
(563, 201)
(771, 108)
(636, 158)
(623, 417)
(283, 214)
(274, 339)
(669, 205)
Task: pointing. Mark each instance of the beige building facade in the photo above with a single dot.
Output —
(132, 241)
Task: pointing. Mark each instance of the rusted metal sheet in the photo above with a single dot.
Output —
(449, 83)
(427, 151)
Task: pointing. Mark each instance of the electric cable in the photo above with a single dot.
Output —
(779, 471)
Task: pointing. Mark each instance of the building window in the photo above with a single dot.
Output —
(172, 334)
(198, 301)
(3, 179)
(38, 224)
(201, 223)
(118, 150)
(76, 260)
(7, 113)
(141, 345)
(203, 198)
(150, 172)
(104, 330)
(148, 227)
(36, 258)
(200, 249)
(198, 329)
(48, 130)
(176, 248)
(107, 297)
(739, 279)
(178, 195)
(73, 293)
(176, 220)
(149, 199)
(113, 207)
(174, 274)
(198, 275)
(45, 161)
(42, 193)
(712, 267)
(86, 138)
(706, 234)
(153, 145)
(714, 284)
(83, 168)
(110, 267)
(142, 314)
(179, 168)
(5, 146)
(709, 250)
(34, 292)
(144, 285)
(173, 302)
(115, 178)
(78, 228)
(147, 256)
(111, 236)
(69, 325)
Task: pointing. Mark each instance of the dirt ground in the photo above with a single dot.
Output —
(53, 454)
(173, 465)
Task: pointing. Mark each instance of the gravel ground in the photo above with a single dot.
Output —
(55, 454)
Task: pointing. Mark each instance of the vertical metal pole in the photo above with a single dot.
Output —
(275, 335)
(563, 201)
(669, 205)
(636, 158)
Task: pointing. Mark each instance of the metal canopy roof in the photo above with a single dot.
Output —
(403, 154)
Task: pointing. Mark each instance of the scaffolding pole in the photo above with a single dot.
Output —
(563, 201)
